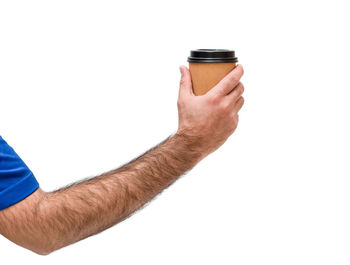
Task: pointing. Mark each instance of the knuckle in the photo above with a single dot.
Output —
(182, 81)
(234, 118)
(242, 100)
(239, 70)
(226, 82)
(233, 128)
(234, 79)
(224, 107)
(213, 100)
(234, 124)
(242, 88)
(180, 102)
(242, 70)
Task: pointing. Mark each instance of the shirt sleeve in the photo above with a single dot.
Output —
(17, 182)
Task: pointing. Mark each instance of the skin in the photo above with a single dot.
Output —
(47, 221)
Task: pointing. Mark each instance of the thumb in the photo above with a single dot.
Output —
(186, 82)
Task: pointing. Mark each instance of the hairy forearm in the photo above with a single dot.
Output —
(82, 209)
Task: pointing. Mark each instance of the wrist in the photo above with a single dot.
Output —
(191, 144)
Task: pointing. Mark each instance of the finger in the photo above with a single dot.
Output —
(228, 83)
(235, 122)
(185, 82)
(239, 104)
(236, 92)
(236, 118)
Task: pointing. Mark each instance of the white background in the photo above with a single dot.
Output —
(88, 85)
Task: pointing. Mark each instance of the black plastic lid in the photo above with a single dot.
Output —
(212, 56)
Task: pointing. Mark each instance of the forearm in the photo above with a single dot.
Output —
(75, 212)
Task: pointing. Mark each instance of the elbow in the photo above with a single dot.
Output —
(42, 252)
(28, 225)
(42, 248)
(38, 244)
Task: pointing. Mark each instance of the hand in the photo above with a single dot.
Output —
(207, 121)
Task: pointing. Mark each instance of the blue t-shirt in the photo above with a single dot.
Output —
(17, 182)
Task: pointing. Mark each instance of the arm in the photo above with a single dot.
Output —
(47, 221)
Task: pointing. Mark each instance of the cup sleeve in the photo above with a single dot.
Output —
(17, 182)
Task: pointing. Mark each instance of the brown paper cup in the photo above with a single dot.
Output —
(206, 75)
(208, 67)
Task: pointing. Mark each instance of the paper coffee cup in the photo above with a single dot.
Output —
(208, 67)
